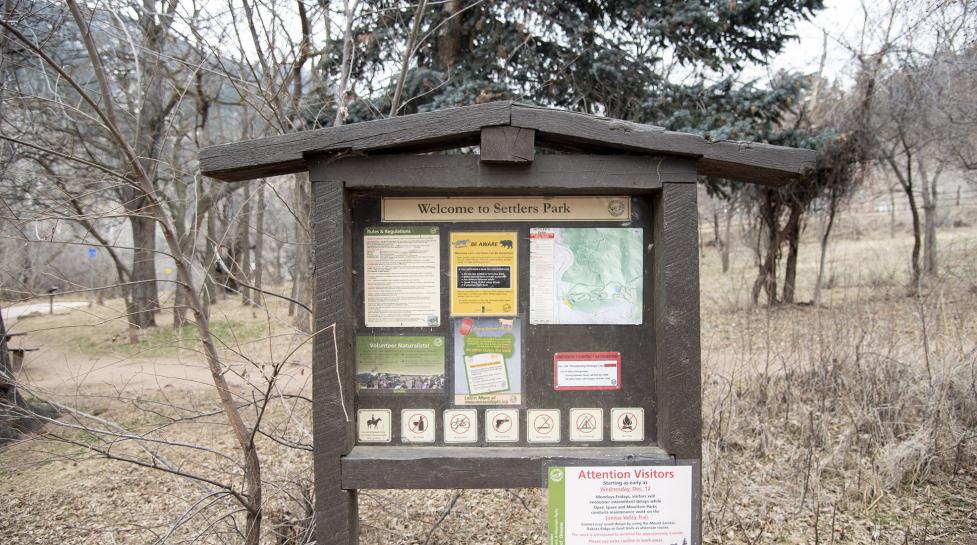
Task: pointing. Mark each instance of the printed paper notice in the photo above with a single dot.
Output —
(587, 371)
(488, 361)
(402, 282)
(486, 373)
(633, 505)
(400, 364)
(483, 274)
(586, 276)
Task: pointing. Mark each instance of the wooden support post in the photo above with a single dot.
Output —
(332, 371)
(676, 299)
(508, 145)
(676, 270)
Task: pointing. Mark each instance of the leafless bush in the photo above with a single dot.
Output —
(859, 403)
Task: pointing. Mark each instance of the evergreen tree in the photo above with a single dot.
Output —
(628, 59)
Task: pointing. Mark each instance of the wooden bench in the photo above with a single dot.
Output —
(17, 354)
(17, 357)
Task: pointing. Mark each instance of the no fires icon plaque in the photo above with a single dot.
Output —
(627, 424)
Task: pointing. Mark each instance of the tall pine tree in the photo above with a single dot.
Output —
(630, 59)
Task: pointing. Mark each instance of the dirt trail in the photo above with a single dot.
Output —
(14, 313)
(57, 370)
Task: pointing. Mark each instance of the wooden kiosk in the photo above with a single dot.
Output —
(644, 176)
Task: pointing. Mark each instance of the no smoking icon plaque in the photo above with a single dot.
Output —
(417, 425)
(586, 425)
(461, 426)
(543, 425)
(502, 425)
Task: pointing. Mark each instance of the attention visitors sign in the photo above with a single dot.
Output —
(627, 505)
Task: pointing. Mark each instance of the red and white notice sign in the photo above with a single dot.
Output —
(587, 371)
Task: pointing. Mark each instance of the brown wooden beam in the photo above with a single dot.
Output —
(508, 145)
(285, 154)
(478, 467)
(332, 403)
(676, 300)
(593, 174)
(750, 162)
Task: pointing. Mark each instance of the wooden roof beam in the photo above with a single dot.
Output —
(507, 133)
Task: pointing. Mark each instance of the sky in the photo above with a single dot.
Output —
(842, 19)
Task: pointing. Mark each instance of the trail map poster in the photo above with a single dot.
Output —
(627, 505)
(483, 274)
(586, 276)
(488, 361)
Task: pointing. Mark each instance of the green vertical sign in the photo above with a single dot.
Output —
(556, 486)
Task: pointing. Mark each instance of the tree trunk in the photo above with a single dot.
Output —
(345, 67)
(302, 278)
(179, 309)
(8, 392)
(259, 246)
(766, 279)
(832, 208)
(242, 257)
(717, 241)
(449, 43)
(916, 274)
(793, 233)
(892, 212)
(724, 253)
(210, 259)
(929, 192)
(145, 297)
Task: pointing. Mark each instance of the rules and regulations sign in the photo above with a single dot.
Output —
(483, 274)
(587, 371)
(402, 284)
(632, 505)
(522, 208)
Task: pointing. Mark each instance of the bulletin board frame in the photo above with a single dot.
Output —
(501, 148)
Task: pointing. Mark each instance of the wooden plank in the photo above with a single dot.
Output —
(508, 145)
(333, 418)
(745, 161)
(457, 127)
(286, 153)
(484, 467)
(756, 163)
(676, 300)
(581, 129)
(593, 174)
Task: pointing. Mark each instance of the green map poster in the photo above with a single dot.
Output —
(586, 276)
(399, 363)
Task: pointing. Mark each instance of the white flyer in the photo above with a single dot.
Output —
(402, 282)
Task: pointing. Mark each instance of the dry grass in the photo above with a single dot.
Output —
(854, 422)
